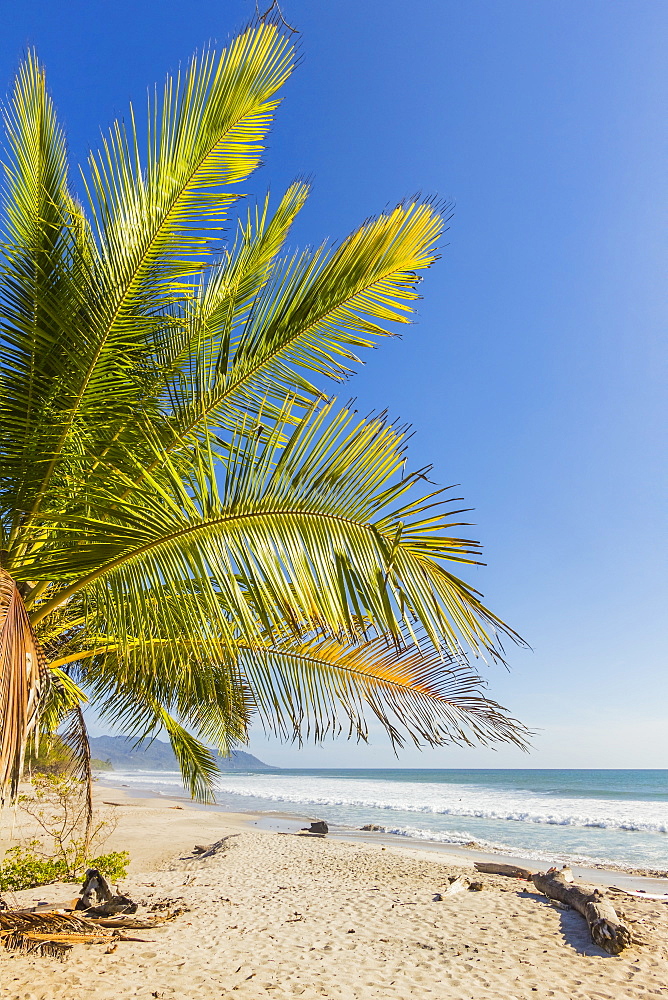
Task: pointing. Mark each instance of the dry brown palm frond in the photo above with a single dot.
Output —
(23, 678)
(49, 922)
(15, 941)
(49, 933)
(75, 737)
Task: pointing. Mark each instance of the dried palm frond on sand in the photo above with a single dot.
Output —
(50, 933)
(53, 932)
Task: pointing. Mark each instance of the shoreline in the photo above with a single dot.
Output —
(623, 877)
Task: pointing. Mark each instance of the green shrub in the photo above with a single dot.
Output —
(113, 866)
(23, 868)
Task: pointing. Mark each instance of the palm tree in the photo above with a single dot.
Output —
(191, 531)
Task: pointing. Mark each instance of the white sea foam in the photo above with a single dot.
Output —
(462, 801)
(520, 823)
(454, 800)
(551, 855)
(437, 799)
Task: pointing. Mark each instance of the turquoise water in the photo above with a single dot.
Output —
(581, 816)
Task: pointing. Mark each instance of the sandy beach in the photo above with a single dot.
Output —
(283, 916)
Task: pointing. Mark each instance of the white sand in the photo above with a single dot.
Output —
(282, 917)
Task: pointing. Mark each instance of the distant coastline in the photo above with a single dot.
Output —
(120, 753)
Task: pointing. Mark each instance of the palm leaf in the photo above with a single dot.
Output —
(75, 737)
(154, 225)
(142, 718)
(299, 530)
(205, 133)
(189, 353)
(23, 680)
(310, 319)
(45, 264)
(321, 686)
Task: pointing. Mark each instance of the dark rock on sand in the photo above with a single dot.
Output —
(317, 826)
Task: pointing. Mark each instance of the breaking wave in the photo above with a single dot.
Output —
(522, 822)
(462, 801)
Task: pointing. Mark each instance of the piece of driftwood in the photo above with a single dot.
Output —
(208, 852)
(141, 922)
(511, 871)
(456, 885)
(129, 923)
(94, 891)
(113, 907)
(607, 929)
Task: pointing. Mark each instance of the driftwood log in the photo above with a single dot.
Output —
(208, 852)
(97, 899)
(113, 907)
(134, 922)
(511, 871)
(607, 929)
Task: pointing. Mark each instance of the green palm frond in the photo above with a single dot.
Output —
(301, 528)
(134, 706)
(190, 355)
(322, 687)
(196, 761)
(311, 319)
(204, 134)
(45, 265)
(132, 683)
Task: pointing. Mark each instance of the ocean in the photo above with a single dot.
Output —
(577, 816)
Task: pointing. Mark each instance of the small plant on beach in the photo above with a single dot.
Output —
(65, 847)
(191, 531)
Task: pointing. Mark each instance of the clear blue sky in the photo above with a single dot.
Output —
(536, 375)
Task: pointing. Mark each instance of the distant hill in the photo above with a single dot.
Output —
(158, 756)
